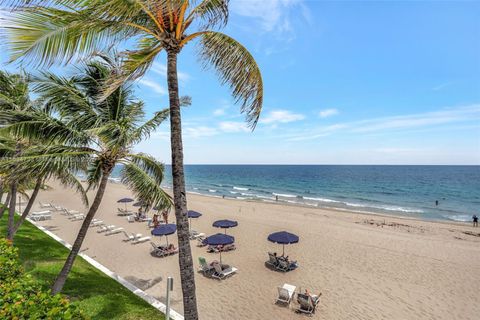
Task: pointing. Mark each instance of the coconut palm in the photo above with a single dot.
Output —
(81, 130)
(45, 32)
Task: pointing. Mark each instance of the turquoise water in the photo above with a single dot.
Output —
(398, 190)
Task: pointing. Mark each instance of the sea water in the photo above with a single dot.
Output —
(399, 190)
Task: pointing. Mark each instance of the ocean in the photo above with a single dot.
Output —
(410, 191)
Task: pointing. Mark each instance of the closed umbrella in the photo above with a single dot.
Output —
(225, 224)
(283, 237)
(219, 239)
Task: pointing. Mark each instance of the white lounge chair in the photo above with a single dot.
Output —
(308, 303)
(77, 217)
(41, 217)
(57, 208)
(221, 274)
(45, 205)
(96, 222)
(113, 231)
(140, 240)
(285, 293)
(38, 213)
(130, 218)
(105, 228)
(131, 237)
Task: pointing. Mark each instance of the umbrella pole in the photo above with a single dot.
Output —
(167, 240)
(221, 259)
(283, 254)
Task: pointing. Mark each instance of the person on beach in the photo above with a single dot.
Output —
(165, 216)
(155, 221)
(475, 220)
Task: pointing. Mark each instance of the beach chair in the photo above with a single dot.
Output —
(71, 213)
(130, 218)
(96, 223)
(123, 212)
(220, 273)
(131, 237)
(285, 293)
(57, 208)
(307, 303)
(45, 205)
(41, 217)
(286, 265)
(77, 217)
(140, 240)
(158, 251)
(113, 231)
(105, 228)
(39, 213)
(272, 260)
(200, 242)
(205, 268)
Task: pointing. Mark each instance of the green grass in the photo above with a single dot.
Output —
(96, 294)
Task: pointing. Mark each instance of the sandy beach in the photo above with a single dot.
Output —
(365, 266)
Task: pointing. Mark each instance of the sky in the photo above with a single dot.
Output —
(345, 82)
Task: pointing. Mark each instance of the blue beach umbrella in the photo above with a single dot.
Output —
(219, 239)
(125, 201)
(193, 215)
(283, 237)
(164, 230)
(225, 224)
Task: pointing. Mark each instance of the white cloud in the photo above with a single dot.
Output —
(281, 116)
(219, 112)
(441, 86)
(420, 120)
(161, 69)
(233, 126)
(199, 132)
(273, 15)
(327, 113)
(153, 85)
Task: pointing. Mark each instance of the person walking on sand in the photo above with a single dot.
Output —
(475, 220)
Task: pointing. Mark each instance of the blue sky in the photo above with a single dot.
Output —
(358, 82)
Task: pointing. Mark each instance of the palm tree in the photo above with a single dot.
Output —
(82, 131)
(64, 29)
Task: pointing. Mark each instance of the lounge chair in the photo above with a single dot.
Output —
(38, 213)
(140, 240)
(123, 212)
(158, 251)
(77, 217)
(45, 205)
(286, 265)
(220, 273)
(131, 237)
(272, 260)
(57, 208)
(130, 219)
(105, 228)
(71, 213)
(200, 241)
(113, 231)
(41, 217)
(96, 222)
(206, 268)
(228, 247)
(308, 303)
(285, 293)
(196, 235)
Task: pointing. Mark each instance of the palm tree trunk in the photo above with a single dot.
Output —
(62, 276)
(187, 275)
(5, 205)
(11, 210)
(29, 206)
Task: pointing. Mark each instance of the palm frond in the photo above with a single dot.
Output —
(144, 131)
(144, 186)
(235, 67)
(40, 126)
(214, 13)
(148, 164)
(69, 180)
(94, 173)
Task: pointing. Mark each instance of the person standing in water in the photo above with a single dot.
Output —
(475, 220)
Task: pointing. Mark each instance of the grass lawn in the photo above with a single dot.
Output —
(96, 294)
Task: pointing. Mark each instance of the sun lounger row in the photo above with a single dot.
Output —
(215, 269)
(216, 249)
(307, 302)
(281, 263)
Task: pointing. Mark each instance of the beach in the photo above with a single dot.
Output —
(365, 266)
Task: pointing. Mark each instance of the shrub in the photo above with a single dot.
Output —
(23, 298)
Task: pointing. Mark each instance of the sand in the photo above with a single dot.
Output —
(365, 266)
